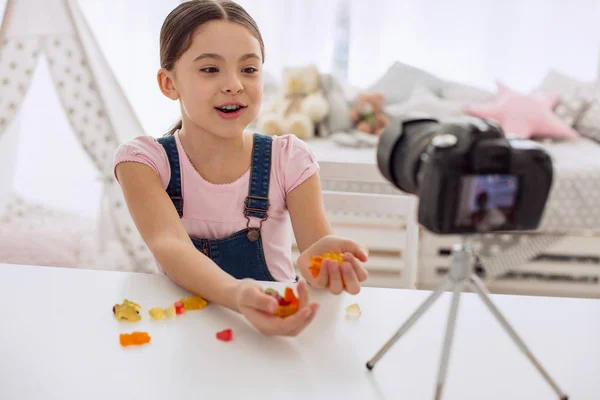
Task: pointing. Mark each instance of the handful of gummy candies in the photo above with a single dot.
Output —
(288, 304)
(316, 262)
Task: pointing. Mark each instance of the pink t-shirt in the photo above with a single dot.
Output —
(214, 211)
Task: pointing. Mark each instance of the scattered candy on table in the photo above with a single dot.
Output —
(288, 304)
(170, 311)
(225, 335)
(157, 313)
(194, 303)
(179, 307)
(134, 339)
(353, 311)
(128, 311)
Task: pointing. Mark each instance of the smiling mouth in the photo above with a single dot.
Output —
(230, 108)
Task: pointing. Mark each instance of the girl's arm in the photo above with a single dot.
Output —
(161, 228)
(307, 213)
(314, 237)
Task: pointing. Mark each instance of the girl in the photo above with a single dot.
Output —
(214, 202)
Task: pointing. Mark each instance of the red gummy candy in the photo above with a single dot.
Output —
(282, 301)
(225, 335)
(179, 307)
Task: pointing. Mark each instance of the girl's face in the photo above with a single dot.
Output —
(218, 80)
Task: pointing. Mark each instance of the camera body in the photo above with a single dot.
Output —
(469, 177)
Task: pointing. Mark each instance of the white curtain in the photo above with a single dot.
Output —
(476, 41)
(295, 32)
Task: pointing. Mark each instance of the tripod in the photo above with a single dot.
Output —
(461, 274)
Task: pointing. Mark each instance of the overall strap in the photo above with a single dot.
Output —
(174, 188)
(257, 202)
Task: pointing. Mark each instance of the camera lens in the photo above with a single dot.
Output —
(400, 147)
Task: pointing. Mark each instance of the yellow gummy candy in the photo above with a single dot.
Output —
(156, 313)
(170, 311)
(194, 303)
(129, 311)
(353, 311)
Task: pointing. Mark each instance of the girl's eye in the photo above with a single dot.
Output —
(250, 70)
(209, 70)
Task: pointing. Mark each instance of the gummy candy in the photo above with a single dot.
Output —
(170, 311)
(225, 335)
(281, 300)
(134, 339)
(157, 313)
(315, 262)
(288, 304)
(353, 311)
(129, 311)
(194, 303)
(179, 307)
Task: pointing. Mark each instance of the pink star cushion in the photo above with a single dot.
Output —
(525, 116)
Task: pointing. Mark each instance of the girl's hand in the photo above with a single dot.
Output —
(331, 274)
(258, 308)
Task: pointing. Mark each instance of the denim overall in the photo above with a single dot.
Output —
(241, 254)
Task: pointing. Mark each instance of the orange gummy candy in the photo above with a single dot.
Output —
(134, 339)
(315, 262)
(292, 306)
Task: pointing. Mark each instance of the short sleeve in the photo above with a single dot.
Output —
(296, 162)
(145, 150)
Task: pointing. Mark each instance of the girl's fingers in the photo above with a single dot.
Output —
(352, 283)
(335, 277)
(359, 270)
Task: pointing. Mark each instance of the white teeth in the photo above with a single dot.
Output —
(230, 107)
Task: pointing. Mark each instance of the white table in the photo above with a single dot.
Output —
(59, 340)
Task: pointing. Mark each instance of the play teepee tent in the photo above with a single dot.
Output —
(96, 108)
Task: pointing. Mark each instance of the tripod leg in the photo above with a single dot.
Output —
(450, 327)
(477, 286)
(480, 283)
(445, 284)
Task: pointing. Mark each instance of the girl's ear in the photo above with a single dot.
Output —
(166, 83)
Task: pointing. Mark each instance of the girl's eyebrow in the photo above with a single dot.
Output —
(220, 57)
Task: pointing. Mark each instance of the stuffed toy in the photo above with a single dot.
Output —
(367, 113)
(299, 108)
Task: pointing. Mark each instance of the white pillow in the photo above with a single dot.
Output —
(399, 81)
(423, 100)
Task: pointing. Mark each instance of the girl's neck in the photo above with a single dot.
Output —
(218, 160)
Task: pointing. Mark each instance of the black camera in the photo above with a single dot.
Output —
(468, 176)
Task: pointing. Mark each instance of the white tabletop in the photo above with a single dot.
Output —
(59, 340)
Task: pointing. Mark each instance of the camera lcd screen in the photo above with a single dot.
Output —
(487, 202)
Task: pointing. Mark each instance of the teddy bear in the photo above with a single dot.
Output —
(367, 113)
(300, 106)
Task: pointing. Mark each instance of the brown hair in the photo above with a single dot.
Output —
(181, 23)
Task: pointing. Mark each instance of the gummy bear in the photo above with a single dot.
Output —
(315, 262)
(128, 311)
(225, 335)
(157, 313)
(288, 304)
(179, 307)
(281, 300)
(134, 339)
(194, 303)
(353, 311)
(170, 311)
